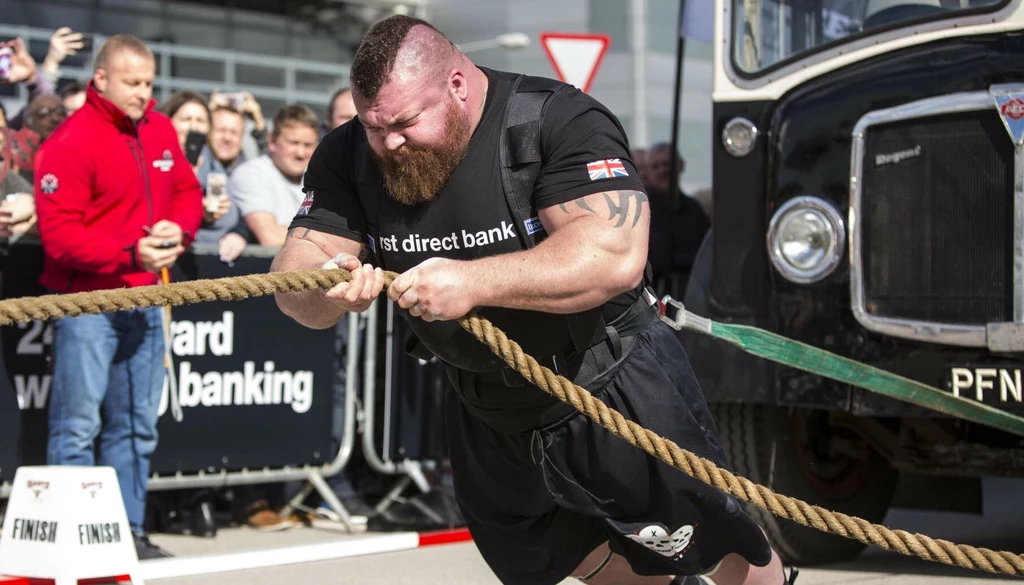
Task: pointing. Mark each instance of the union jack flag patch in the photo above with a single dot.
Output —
(307, 203)
(606, 169)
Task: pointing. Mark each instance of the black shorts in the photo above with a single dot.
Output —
(537, 503)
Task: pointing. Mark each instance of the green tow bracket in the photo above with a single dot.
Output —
(805, 357)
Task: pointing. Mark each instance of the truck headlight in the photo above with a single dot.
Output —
(806, 238)
(739, 136)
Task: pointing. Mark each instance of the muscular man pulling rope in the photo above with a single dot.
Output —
(415, 185)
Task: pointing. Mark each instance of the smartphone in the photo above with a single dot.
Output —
(216, 187)
(194, 143)
(87, 42)
(236, 99)
(6, 56)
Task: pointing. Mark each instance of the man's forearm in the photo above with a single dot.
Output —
(308, 308)
(559, 276)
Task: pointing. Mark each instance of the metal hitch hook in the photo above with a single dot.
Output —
(666, 307)
(681, 319)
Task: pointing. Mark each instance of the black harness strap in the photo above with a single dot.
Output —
(522, 151)
(522, 155)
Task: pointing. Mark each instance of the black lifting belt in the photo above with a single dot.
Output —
(591, 362)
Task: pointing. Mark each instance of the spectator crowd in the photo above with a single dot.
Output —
(215, 175)
(222, 176)
(250, 175)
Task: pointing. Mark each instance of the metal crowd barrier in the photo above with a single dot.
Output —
(385, 459)
(409, 470)
(315, 477)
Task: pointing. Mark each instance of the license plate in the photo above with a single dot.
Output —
(994, 384)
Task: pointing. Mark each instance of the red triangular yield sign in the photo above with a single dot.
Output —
(576, 57)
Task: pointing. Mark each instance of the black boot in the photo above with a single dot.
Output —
(147, 550)
(202, 520)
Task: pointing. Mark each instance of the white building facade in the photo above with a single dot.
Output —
(635, 80)
(637, 76)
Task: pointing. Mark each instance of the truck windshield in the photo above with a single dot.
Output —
(769, 32)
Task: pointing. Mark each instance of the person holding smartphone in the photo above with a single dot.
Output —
(254, 139)
(220, 155)
(18, 66)
(17, 207)
(106, 221)
(39, 80)
(190, 116)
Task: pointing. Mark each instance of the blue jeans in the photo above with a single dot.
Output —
(108, 374)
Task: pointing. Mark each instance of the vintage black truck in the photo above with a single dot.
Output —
(868, 189)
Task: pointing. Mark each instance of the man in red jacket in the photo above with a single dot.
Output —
(117, 202)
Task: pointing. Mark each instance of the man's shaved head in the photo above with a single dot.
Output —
(124, 73)
(418, 98)
(118, 44)
(400, 47)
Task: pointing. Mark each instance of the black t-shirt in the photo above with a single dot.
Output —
(470, 218)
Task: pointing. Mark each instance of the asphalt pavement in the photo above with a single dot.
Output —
(1001, 527)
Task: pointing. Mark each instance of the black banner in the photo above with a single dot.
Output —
(255, 387)
(10, 426)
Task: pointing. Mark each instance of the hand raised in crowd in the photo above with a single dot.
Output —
(357, 294)
(17, 214)
(249, 107)
(231, 246)
(435, 290)
(63, 43)
(253, 110)
(219, 98)
(214, 208)
(23, 66)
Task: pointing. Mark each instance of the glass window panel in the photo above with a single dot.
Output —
(767, 32)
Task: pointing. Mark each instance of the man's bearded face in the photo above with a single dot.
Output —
(422, 172)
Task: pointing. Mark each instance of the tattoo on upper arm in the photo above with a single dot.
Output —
(298, 232)
(581, 203)
(619, 204)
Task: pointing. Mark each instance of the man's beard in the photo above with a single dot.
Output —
(420, 177)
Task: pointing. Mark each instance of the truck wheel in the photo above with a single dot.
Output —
(797, 453)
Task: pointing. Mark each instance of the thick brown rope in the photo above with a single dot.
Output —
(234, 288)
(243, 287)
